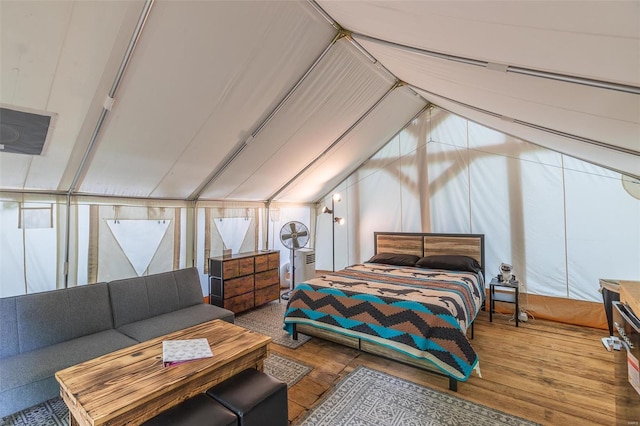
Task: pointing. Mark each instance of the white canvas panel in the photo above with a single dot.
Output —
(448, 178)
(336, 94)
(12, 280)
(602, 115)
(54, 58)
(374, 193)
(190, 95)
(233, 231)
(491, 141)
(139, 239)
(415, 184)
(446, 128)
(598, 40)
(613, 159)
(358, 145)
(603, 229)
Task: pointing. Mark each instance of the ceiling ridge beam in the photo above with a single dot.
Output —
(541, 128)
(601, 84)
(535, 126)
(195, 195)
(395, 85)
(109, 100)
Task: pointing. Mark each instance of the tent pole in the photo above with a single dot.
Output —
(112, 93)
(342, 136)
(216, 173)
(627, 88)
(536, 127)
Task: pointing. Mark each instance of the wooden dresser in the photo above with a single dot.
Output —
(244, 280)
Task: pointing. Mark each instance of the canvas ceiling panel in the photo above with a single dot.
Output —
(610, 158)
(602, 241)
(202, 77)
(368, 137)
(604, 115)
(491, 141)
(54, 55)
(599, 40)
(334, 96)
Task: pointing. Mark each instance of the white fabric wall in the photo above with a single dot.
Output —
(561, 222)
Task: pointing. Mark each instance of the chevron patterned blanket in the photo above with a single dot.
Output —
(421, 312)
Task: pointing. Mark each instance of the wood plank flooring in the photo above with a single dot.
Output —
(547, 372)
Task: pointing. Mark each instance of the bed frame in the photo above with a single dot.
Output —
(420, 244)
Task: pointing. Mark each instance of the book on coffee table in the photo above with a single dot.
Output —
(178, 351)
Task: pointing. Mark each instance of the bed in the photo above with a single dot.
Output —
(413, 301)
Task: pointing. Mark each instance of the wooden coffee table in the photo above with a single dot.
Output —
(131, 385)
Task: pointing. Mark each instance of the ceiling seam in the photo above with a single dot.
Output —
(608, 85)
(144, 15)
(395, 85)
(243, 144)
(535, 126)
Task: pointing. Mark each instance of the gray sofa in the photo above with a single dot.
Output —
(42, 333)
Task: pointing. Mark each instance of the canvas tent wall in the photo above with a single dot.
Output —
(561, 222)
(173, 105)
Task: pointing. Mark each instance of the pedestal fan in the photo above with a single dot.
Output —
(293, 235)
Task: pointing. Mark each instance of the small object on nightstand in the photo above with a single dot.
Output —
(509, 293)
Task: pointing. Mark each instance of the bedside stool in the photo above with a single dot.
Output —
(511, 295)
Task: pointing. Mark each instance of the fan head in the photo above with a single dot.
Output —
(294, 235)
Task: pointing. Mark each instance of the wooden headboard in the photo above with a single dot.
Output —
(428, 244)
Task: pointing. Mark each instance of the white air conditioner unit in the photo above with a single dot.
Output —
(305, 264)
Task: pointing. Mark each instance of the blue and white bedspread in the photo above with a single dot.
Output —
(423, 313)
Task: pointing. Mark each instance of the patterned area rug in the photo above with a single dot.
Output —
(370, 397)
(268, 319)
(54, 412)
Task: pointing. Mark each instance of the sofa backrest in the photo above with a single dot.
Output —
(36, 320)
(136, 299)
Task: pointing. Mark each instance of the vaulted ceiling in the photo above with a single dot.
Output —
(282, 100)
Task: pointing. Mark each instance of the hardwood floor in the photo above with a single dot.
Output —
(547, 372)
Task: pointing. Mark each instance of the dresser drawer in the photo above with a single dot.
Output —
(245, 266)
(274, 260)
(265, 279)
(267, 294)
(230, 269)
(239, 303)
(262, 263)
(238, 286)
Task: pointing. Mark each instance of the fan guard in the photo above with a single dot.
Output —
(294, 235)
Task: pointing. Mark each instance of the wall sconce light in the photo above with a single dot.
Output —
(334, 220)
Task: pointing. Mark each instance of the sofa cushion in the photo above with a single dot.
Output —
(44, 362)
(174, 321)
(162, 292)
(43, 319)
(90, 308)
(189, 289)
(8, 327)
(129, 301)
